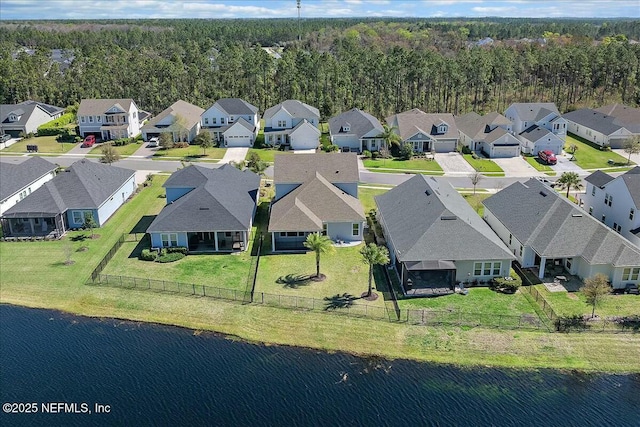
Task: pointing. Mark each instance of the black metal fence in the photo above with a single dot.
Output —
(471, 319)
(541, 301)
(105, 260)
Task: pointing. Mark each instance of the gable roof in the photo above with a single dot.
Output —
(235, 106)
(595, 120)
(84, 185)
(555, 228)
(628, 117)
(191, 113)
(241, 122)
(534, 111)
(427, 220)
(478, 127)
(222, 199)
(599, 178)
(96, 107)
(360, 123)
(299, 168)
(295, 108)
(416, 121)
(535, 133)
(313, 203)
(15, 177)
(24, 110)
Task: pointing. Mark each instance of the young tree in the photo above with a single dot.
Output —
(89, 222)
(238, 165)
(179, 127)
(570, 181)
(631, 146)
(320, 245)
(475, 178)
(203, 139)
(109, 154)
(258, 168)
(253, 159)
(406, 151)
(595, 290)
(166, 140)
(572, 150)
(373, 255)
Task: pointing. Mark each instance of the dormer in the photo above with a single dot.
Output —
(15, 115)
(116, 109)
(346, 127)
(442, 128)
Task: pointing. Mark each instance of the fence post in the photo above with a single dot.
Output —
(204, 291)
(120, 280)
(135, 285)
(193, 289)
(164, 288)
(149, 284)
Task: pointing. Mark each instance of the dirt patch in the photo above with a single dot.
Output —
(371, 297)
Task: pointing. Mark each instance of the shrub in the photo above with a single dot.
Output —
(177, 249)
(170, 257)
(147, 255)
(331, 147)
(567, 323)
(375, 154)
(406, 151)
(506, 285)
(475, 156)
(56, 126)
(367, 154)
(121, 142)
(466, 150)
(181, 144)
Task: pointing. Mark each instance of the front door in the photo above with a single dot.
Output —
(426, 146)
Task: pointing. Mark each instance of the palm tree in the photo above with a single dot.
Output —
(372, 255)
(390, 136)
(569, 180)
(320, 245)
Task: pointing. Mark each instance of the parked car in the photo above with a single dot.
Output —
(153, 142)
(5, 137)
(547, 157)
(89, 140)
(545, 181)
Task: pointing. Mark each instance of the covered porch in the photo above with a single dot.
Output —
(427, 278)
(44, 225)
(217, 241)
(552, 267)
(282, 241)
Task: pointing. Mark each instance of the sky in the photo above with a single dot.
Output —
(134, 9)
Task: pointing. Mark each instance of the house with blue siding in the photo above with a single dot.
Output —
(208, 210)
(62, 203)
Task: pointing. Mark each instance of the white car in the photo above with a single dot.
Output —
(153, 142)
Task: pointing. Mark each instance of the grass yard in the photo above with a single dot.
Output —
(400, 165)
(123, 150)
(535, 163)
(366, 196)
(46, 144)
(289, 274)
(192, 152)
(267, 154)
(570, 303)
(589, 157)
(475, 200)
(484, 165)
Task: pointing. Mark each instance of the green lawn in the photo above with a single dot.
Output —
(589, 157)
(366, 196)
(46, 144)
(533, 161)
(570, 303)
(267, 154)
(191, 152)
(475, 200)
(410, 165)
(484, 165)
(123, 150)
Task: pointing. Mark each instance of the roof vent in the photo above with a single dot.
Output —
(204, 209)
(427, 192)
(448, 217)
(543, 194)
(577, 215)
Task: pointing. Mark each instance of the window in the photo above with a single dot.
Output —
(214, 120)
(487, 268)
(608, 199)
(497, 266)
(221, 120)
(78, 217)
(416, 145)
(355, 229)
(374, 144)
(477, 269)
(282, 123)
(590, 210)
(206, 120)
(292, 233)
(568, 262)
(520, 250)
(301, 233)
(227, 234)
(604, 217)
(593, 190)
(324, 229)
(442, 129)
(283, 234)
(631, 273)
(231, 119)
(169, 239)
(82, 119)
(510, 237)
(631, 212)
(98, 119)
(90, 119)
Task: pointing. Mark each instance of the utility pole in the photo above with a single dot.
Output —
(299, 35)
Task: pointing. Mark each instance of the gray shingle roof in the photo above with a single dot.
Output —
(599, 178)
(360, 123)
(313, 203)
(427, 220)
(15, 177)
(84, 185)
(594, 120)
(632, 181)
(236, 106)
(478, 127)
(191, 113)
(534, 111)
(96, 107)
(535, 133)
(25, 109)
(222, 199)
(297, 109)
(299, 168)
(417, 121)
(628, 117)
(555, 228)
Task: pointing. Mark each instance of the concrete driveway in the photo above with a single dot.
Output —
(516, 167)
(566, 165)
(635, 158)
(453, 164)
(234, 154)
(145, 151)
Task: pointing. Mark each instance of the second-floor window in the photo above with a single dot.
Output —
(98, 119)
(221, 120)
(282, 123)
(206, 120)
(590, 210)
(214, 120)
(593, 190)
(82, 119)
(90, 119)
(631, 212)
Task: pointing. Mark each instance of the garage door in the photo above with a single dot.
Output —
(501, 152)
(617, 143)
(238, 141)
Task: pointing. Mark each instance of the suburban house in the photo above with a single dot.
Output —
(539, 126)
(17, 181)
(491, 134)
(26, 117)
(181, 120)
(108, 119)
(315, 193)
(615, 202)
(208, 210)
(603, 129)
(61, 204)
(552, 235)
(356, 130)
(426, 132)
(292, 124)
(436, 239)
(232, 122)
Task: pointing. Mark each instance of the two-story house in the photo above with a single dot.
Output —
(26, 117)
(539, 126)
(491, 134)
(615, 202)
(181, 120)
(426, 132)
(110, 118)
(596, 127)
(315, 193)
(356, 130)
(292, 124)
(232, 122)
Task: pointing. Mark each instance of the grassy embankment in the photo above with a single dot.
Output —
(47, 282)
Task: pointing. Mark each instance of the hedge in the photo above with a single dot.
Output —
(56, 126)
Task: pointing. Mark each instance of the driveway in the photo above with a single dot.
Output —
(635, 158)
(145, 152)
(453, 164)
(234, 154)
(79, 150)
(565, 165)
(516, 167)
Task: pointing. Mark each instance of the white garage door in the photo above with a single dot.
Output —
(238, 141)
(501, 152)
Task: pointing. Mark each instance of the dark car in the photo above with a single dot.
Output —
(547, 157)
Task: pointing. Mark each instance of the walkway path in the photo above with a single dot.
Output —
(234, 154)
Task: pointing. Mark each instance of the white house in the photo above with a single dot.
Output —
(17, 181)
(426, 132)
(110, 118)
(536, 138)
(600, 128)
(181, 119)
(292, 123)
(220, 118)
(491, 134)
(615, 202)
(26, 117)
(356, 130)
(530, 119)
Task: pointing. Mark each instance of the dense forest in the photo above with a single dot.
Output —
(382, 66)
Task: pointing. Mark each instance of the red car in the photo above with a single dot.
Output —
(548, 157)
(89, 140)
